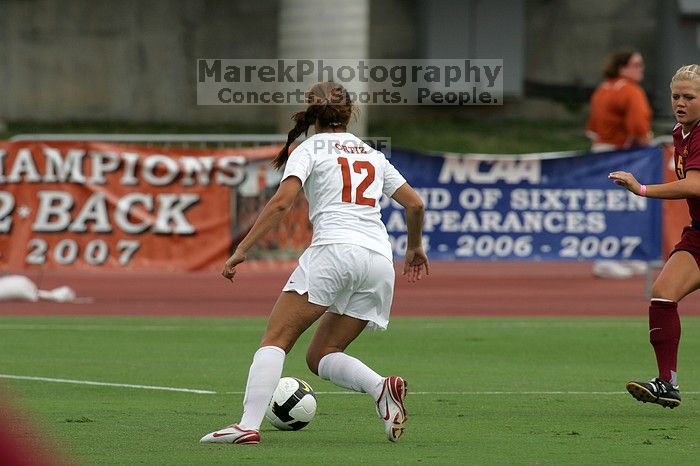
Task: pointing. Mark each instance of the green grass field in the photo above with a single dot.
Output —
(481, 391)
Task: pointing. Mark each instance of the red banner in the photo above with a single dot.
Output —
(96, 205)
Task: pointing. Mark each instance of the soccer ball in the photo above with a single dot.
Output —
(293, 404)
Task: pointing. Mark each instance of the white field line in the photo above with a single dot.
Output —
(126, 328)
(210, 392)
(106, 384)
(90, 328)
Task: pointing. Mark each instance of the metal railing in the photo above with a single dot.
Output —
(165, 140)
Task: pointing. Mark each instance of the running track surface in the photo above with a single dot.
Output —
(452, 289)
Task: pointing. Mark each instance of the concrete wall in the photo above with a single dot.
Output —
(324, 29)
(568, 41)
(129, 60)
(477, 29)
(134, 60)
(678, 46)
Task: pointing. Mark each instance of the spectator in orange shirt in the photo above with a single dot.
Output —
(620, 112)
(620, 118)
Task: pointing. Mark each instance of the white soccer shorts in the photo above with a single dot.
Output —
(349, 279)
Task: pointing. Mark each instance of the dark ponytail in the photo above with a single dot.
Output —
(329, 104)
(303, 121)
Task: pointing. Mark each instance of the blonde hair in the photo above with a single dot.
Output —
(687, 73)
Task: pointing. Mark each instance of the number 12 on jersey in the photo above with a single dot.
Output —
(358, 166)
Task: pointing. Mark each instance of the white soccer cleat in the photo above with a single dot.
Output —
(390, 407)
(233, 434)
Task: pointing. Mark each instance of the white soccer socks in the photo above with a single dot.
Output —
(263, 377)
(349, 372)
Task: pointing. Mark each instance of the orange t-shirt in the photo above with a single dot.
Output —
(620, 113)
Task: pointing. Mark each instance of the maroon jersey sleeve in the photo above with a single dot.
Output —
(692, 157)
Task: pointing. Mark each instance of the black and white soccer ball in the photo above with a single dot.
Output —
(293, 404)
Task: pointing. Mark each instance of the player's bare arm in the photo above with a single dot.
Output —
(681, 189)
(416, 261)
(271, 215)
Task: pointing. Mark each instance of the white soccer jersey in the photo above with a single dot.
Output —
(343, 179)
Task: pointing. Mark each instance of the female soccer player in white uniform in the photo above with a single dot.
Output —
(345, 277)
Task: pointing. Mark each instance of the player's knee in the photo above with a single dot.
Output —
(279, 341)
(660, 291)
(280, 336)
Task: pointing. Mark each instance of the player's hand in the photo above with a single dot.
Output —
(626, 180)
(415, 264)
(230, 266)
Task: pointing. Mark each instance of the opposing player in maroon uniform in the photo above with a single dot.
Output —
(681, 273)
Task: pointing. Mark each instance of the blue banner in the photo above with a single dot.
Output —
(531, 207)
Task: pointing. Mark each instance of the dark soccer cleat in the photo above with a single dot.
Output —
(656, 391)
